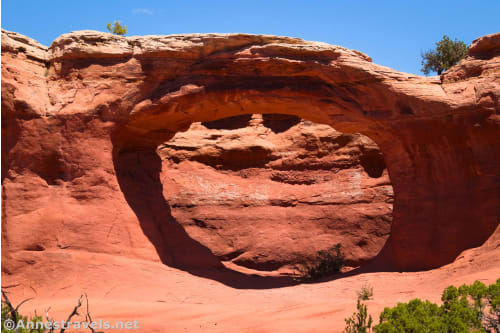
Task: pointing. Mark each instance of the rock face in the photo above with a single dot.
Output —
(266, 193)
(82, 121)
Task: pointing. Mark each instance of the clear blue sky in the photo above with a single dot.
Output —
(393, 32)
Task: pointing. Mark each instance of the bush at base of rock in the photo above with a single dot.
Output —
(326, 263)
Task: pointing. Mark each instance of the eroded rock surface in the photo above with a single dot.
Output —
(264, 193)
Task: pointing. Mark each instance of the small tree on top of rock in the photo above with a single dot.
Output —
(446, 54)
(116, 28)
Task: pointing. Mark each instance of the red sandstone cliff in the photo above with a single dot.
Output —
(83, 188)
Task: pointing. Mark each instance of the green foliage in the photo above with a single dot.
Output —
(494, 295)
(36, 328)
(486, 303)
(414, 316)
(446, 54)
(359, 322)
(469, 308)
(491, 320)
(116, 28)
(326, 263)
(365, 293)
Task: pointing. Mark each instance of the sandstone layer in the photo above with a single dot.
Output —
(268, 192)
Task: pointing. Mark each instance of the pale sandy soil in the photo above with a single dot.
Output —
(164, 299)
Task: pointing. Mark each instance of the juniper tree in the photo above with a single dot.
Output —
(446, 54)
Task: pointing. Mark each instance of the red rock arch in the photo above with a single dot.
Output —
(439, 136)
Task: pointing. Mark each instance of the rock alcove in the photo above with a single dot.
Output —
(267, 191)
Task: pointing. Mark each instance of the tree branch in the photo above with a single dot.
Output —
(72, 314)
(50, 320)
(13, 312)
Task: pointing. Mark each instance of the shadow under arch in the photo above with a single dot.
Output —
(138, 167)
(138, 172)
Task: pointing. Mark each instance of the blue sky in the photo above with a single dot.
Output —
(393, 32)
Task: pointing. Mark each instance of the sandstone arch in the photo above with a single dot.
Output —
(439, 135)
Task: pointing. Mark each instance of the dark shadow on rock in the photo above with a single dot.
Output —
(279, 123)
(138, 173)
(10, 135)
(238, 280)
(382, 262)
(229, 123)
(372, 162)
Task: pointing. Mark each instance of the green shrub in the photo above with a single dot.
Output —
(469, 308)
(326, 262)
(116, 28)
(424, 316)
(365, 293)
(359, 322)
(7, 315)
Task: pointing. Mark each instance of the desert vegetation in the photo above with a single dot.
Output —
(365, 293)
(117, 28)
(325, 263)
(14, 322)
(360, 321)
(468, 308)
(16, 317)
(446, 54)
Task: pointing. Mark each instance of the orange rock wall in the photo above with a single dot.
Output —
(83, 119)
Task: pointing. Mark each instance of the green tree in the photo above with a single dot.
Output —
(359, 322)
(457, 314)
(116, 28)
(446, 54)
(486, 303)
(491, 320)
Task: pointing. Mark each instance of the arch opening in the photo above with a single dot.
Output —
(273, 193)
